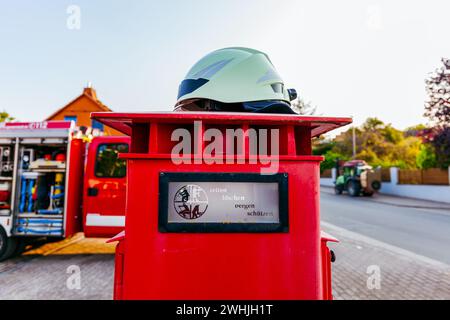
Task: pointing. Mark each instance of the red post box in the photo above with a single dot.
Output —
(210, 215)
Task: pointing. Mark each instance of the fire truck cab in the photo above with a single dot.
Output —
(54, 184)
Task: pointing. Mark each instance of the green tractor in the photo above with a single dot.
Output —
(357, 177)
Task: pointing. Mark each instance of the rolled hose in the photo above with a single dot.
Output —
(25, 221)
(28, 230)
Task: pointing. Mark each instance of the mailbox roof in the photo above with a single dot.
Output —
(124, 121)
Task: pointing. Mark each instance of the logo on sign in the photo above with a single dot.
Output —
(190, 202)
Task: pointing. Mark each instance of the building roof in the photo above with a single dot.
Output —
(88, 93)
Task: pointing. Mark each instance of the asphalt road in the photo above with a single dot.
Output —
(423, 231)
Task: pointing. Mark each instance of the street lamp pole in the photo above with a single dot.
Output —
(354, 143)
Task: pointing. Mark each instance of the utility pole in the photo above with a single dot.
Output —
(354, 143)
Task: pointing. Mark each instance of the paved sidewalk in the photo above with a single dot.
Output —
(403, 275)
(44, 272)
(398, 201)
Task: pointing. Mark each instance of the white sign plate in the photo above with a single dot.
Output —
(223, 202)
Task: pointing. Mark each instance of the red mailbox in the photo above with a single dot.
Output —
(222, 206)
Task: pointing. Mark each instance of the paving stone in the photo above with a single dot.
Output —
(402, 277)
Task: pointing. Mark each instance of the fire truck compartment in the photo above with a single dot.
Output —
(33, 184)
(40, 188)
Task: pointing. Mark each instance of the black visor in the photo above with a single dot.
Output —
(267, 106)
(190, 85)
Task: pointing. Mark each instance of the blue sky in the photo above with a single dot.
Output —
(350, 58)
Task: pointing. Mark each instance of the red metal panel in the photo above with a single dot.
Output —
(119, 269)
(118, 264)
(102, 211)
(118, 237)
(326, 265)
(75, 174)
(222, 266)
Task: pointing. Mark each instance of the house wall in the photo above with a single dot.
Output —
(327, 182)
(82, 108)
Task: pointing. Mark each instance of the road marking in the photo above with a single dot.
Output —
(377, 243)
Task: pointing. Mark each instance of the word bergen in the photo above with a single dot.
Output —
(213, 152)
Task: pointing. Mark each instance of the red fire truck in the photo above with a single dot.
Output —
(54, 183)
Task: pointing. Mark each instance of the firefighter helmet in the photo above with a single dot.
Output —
(234, 79)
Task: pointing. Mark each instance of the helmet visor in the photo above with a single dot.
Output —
(190, 85)
(268, 106)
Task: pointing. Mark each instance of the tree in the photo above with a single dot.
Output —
(437, 109)
(373, 124)
(303, 108)
(330, 160)
(426, 158)
(5, 117)
(379, 144)
(441, 143)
